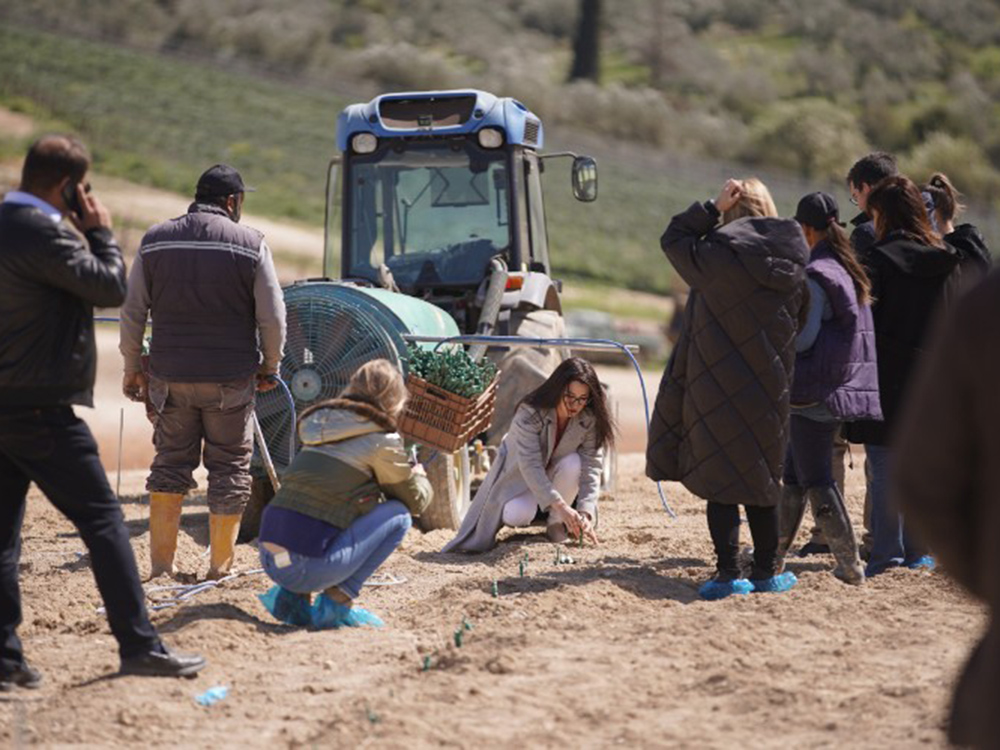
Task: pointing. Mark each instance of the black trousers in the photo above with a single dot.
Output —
(54, 449)
(724, 526)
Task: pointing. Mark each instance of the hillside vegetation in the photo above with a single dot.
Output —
(691, 90)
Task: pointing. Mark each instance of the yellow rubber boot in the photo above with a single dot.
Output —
(164, 523)
(222, 532)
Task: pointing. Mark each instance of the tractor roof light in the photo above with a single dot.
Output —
(490, 138)
(364, 143)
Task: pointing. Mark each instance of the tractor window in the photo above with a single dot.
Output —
(434, 213)
(536, 212)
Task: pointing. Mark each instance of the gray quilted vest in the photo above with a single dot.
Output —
(199, 271)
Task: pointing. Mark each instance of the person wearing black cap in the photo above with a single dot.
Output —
(836, 380)
(218, 318)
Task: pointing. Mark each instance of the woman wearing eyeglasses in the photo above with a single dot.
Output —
(548, 464)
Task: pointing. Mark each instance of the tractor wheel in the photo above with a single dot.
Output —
(261, 493)
(449, 476)
(523, 369)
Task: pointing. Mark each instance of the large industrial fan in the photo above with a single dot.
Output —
(332, 329)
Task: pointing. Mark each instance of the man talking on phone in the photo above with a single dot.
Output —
(51, 278)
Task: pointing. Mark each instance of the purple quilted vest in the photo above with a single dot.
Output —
(840, 370)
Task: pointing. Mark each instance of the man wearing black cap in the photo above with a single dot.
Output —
(218, 331)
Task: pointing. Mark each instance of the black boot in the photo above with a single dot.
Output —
(831, 514)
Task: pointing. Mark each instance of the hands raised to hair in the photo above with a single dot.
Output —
(729, 196)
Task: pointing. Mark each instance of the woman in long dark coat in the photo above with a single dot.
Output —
(720, 425)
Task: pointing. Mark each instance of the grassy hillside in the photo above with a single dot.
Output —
(792, 84)
(160, 120)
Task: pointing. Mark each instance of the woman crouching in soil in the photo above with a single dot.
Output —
(344, 505)
(549, 462)
(720, 425)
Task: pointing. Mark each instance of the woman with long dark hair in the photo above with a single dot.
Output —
(549, 463)
(914, 274)
(836, 380)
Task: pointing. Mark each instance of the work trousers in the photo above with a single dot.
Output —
(216, 416)
(54, 449)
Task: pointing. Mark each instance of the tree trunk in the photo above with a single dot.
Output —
(586, 43)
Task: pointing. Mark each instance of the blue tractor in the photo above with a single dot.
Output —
(438, 195)
(435, 210)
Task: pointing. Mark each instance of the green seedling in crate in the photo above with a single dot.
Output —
(452, 371)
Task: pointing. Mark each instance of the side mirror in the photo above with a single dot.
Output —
(585, 179)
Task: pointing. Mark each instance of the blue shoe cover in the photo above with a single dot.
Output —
(775, 584)
(286, 606)
(714, 590)
(326, 614)
(925, 562)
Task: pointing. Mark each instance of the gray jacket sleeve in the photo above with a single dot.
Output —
(525, 436)
(591, 465)
(270, 311)
(133, 318)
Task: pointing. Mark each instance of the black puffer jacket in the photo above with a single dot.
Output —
(975, 257)
(721, 417)
(50, 282)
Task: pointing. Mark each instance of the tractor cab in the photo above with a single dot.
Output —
(434, 188)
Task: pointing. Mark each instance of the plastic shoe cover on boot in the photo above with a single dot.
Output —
(715, 589)
(775, 584)
(326, 614)
(287, 606)
(924, 562)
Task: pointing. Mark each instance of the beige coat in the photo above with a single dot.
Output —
(520, 467)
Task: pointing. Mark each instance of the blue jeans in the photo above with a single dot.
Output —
(351, 558)
(891, 546)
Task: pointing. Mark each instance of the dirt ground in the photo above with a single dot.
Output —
(612, 650)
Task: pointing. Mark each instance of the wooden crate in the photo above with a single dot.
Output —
(437, 418)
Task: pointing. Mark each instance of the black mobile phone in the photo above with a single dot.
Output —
(69, 195)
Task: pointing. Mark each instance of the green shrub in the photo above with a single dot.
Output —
(813, 137)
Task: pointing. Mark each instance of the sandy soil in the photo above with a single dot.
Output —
(614, 649)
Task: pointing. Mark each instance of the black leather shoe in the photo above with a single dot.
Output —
(24, 676)
(163, 663)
